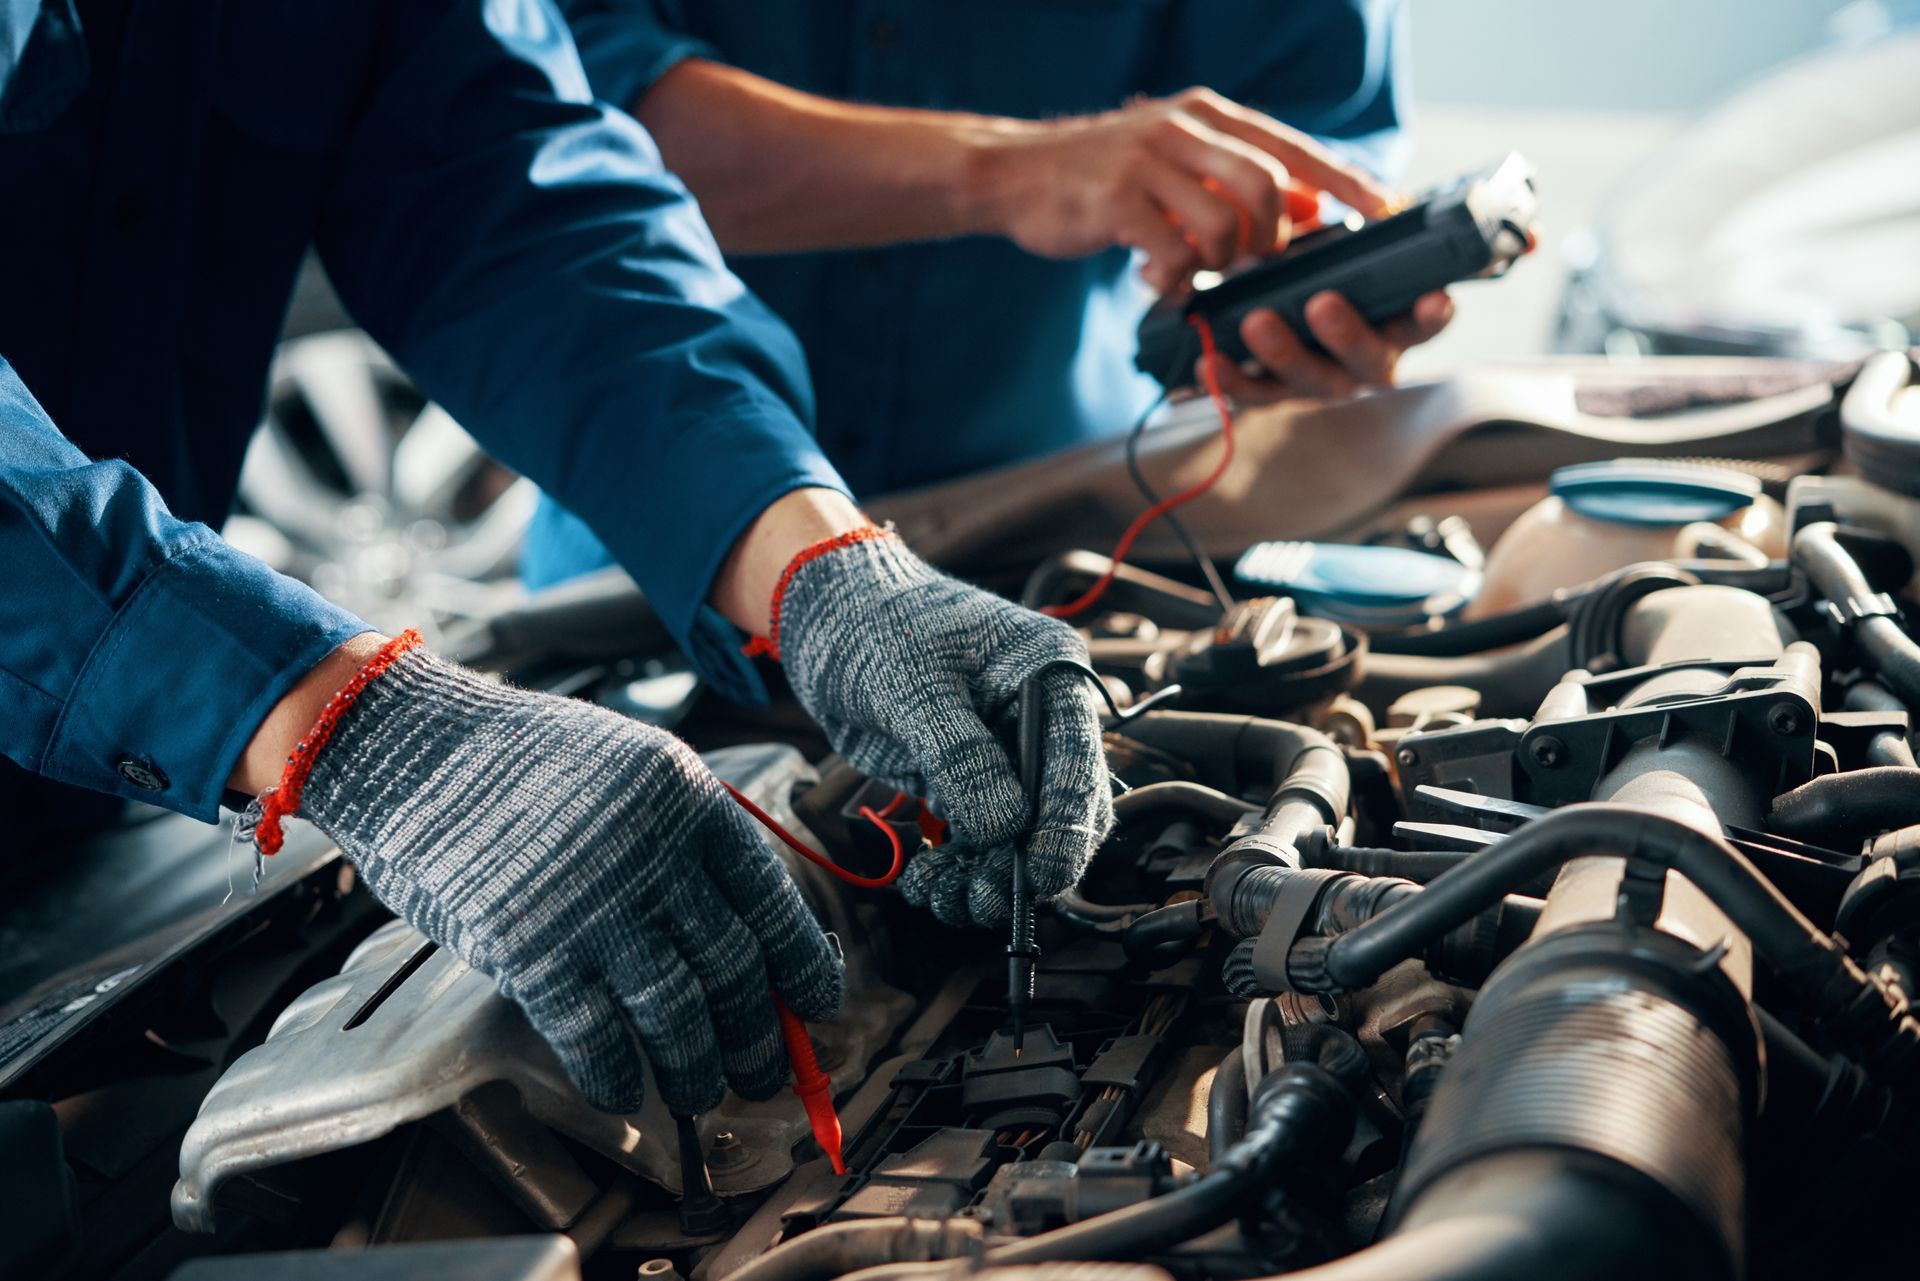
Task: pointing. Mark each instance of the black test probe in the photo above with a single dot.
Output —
(1023, 948)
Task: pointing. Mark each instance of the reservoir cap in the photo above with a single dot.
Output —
(1375, 586)
(1653, 491)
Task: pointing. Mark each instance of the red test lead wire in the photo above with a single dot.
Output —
(820, 860)
(809, 1082)
(1209, 353)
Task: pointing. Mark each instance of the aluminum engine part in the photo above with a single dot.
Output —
(407, 1031)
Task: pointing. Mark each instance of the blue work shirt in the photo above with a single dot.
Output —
(516, 246)
(935, 360)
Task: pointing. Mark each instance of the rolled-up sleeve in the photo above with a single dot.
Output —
(520, 250)
(138, 652)
(626, 45)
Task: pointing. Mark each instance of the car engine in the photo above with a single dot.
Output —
(1574, 937)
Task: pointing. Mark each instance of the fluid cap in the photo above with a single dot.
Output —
(1653, 492)
(1375, 586)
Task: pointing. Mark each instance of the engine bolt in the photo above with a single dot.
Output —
(1784, 719)
(1548, 752)
(727, 1151)
(1407, 757)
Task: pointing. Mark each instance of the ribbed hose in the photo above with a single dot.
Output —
(1583, 1066)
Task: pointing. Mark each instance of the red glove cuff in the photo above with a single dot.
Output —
(770, 643)
(283, 799)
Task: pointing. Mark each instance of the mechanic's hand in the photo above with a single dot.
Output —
(591, 865)
(916, 679)
(1194, 180)
(1357, 354)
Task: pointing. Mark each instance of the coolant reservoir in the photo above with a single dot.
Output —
(1600, 517)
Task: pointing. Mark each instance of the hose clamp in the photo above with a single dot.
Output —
(1849, 611)
(1300, 890)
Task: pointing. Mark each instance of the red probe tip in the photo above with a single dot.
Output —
(812, 1085)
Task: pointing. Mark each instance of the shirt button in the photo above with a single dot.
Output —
(884, 33)
(142, 772)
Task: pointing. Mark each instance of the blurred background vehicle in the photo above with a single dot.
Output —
(1724, 178)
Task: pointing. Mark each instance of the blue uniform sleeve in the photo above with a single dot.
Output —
(1336, 69)
(626, 45)
(520, 250)
(138, 652)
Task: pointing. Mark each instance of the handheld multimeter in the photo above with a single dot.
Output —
(1474, 227)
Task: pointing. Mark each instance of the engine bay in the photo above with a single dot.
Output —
(1440, 935)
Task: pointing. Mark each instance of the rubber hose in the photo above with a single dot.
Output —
(1164, 927)
(1839, 811)
(1511, 681)
(1418, 866)
(1890, 749)
(1303, 1114)
(1837, 575)
(1811, 965)
(1226, 1105)
(1360, 956)
(1107, 917)
(1893, 654)
(1476, 636)
(1207, 801)
(1871, 696)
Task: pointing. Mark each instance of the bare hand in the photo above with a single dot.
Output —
(1356, 355)
(1194, 181)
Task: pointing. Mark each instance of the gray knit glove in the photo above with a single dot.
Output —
(915, 677)
(592, 865)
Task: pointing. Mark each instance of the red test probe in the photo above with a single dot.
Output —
(809, 1082)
